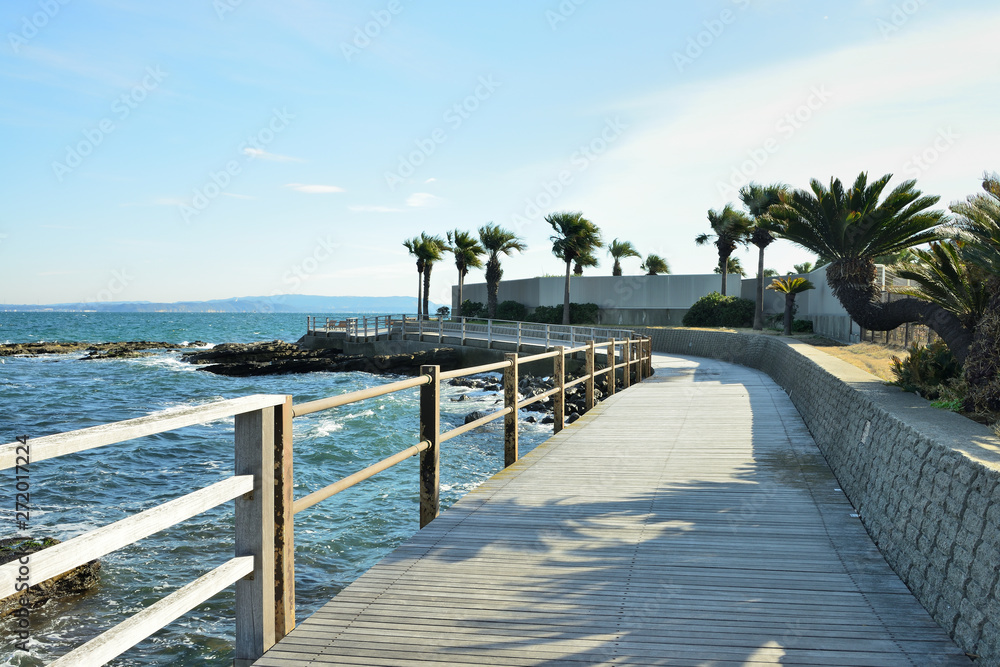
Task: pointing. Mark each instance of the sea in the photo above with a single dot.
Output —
(335, 541)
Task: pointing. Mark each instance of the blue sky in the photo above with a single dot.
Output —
(203, 149)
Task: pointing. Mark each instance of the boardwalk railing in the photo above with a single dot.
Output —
(263, 568)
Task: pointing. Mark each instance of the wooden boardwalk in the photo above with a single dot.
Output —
(687, 521)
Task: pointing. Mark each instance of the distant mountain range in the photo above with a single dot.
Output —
(282, 303)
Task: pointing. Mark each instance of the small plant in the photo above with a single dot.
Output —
(444, 313)
(802, 326)
(473, 309)
(955, 405)
(511, 310)
(579, 313)
(929, 371)
(715, 310)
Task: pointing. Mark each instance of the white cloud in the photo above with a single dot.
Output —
(374, 209)
(423, 200)
(260, 154)
(313, 189)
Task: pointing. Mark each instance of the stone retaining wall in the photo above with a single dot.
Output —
(925, 482)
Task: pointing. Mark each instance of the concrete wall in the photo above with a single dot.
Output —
(925, 482)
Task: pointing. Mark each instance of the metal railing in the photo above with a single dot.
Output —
(263, 568)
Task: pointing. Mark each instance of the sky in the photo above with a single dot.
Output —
(203, 149)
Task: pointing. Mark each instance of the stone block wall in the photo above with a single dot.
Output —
(925, 482)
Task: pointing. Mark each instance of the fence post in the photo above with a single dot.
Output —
(440, 329)
(284, 541)
(255, 529)
(463, 330)
(559, 399)
(518, 348)
(627, 359)
(489, 334)
(612, 361)
(510, 401)
(589, 384)
(430, 458)
(420, 329)
(547, 335)
(572, 337)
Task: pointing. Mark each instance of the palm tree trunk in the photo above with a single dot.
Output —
(565, 319)
(789, 307)
(427, 291)
(493, 275)
(723, 265)
(617, 270)
(461, 282)
(420, 280)
(758, 315)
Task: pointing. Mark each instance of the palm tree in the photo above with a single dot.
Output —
(620, 250)
(496, 241)
(431, 249)
(467, 250)
(790, 287)
(850, 228)
(734, 266)
(730, 228)
(413, 246)
(575, 236)
(804, 267)
(757, 199)
(943, 278)
(654, 264)
(584, 261)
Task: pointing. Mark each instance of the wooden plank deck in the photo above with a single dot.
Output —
(687, 521)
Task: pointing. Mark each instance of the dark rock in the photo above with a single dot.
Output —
(119, 350)
(548, 419)
(530, 419)
(572, 418)
(473, 416)
(74, 582)
(459, 399)
(492, 387)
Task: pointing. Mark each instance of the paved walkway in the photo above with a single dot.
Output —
(689, 520)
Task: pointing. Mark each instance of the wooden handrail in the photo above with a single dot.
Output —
(353, 397)
(482, 421)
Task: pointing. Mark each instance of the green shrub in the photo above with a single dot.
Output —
(511, 310)
(579, 313)
(715, 310)
(928, 371)
(473, 309)
(802, 326)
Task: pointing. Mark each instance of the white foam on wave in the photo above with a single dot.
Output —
(325, 428)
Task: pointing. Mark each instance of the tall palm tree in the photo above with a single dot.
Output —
(413, 245)
(730, 228)
(496, 241)
(575, 236)
(467, 250)
(850, 227)
(757, 199)
(619, 250)
(734, 266)
(790, 287)
(654, 264)
(431, 249)
(584, 261)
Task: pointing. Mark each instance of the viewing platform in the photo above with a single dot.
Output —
(688, 521)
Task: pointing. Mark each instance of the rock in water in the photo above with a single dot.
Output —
(473, 416)
(74, 582)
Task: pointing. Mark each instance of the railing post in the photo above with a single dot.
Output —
(559, 398)
(612, 361)
(518, 348)
(463, 330)
(430, 458)
(489, 334)
(589, 384)
(627, 359)
(547, 329)
(420, 329)
(255, 620)
(510, 401)
(572, 337)
(440, 329)
(284, 541)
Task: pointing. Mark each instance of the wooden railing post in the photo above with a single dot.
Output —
(510, 401)
(255, 622)
(589, 384)
(430, 458)
(612, 374)
(627, 358)
(559, 398)
(284, 540)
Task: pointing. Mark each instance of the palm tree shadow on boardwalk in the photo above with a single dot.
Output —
(683, 542)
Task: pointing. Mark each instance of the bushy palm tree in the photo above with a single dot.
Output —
(851, 227)
(496, 241)
(466, 249)
(734, 266)
(730, 228)
(654, 264)
(413, 245)
(943, 278)
(619, 250)
(790, 287)
(758, 199)
(587, 260)
(575, 236)
(431, 249)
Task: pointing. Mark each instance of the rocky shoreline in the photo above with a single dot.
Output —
(118, 350)
(530, 385)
